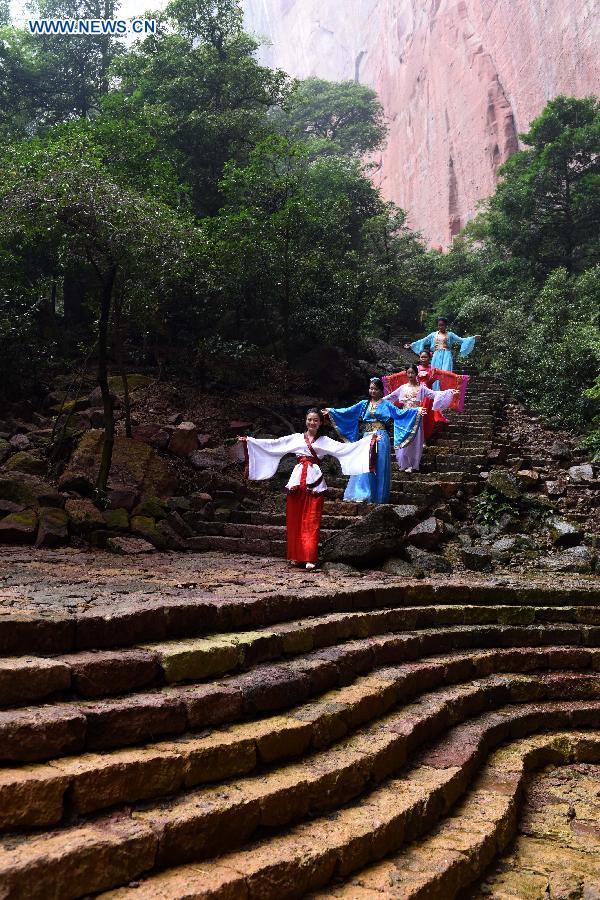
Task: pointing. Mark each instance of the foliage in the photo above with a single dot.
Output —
(344, 118)
(45, 79)
(546, 209)
(288, 245)
(490, 506)
(200, 89)
(592, 439)
(526, 273)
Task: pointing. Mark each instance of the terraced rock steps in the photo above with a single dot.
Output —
(449, 469)
(326, 752)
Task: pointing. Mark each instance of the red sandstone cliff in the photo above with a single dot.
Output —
(458, 80)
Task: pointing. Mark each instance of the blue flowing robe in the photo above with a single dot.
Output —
(374, 487)
(443, 359)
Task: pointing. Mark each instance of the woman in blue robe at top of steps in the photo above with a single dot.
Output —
(374, 414)
(440, 343)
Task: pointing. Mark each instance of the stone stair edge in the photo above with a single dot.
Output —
(71, 727)
(98, 674)
(107, 627)
(420, 799)
(156, 769)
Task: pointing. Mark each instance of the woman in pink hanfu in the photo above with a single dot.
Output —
(411, 395)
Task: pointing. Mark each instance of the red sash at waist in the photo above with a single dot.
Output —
(305, 462)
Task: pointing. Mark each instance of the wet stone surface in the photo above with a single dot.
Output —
(71, 581)
(556, 854)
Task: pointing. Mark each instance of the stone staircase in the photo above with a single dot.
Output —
(360, 743)
(449, 469)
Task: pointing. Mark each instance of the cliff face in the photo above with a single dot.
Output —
(458, 80)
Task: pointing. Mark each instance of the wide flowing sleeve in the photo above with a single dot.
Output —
(441, 399)
(355, 458)
(346, 420)
(406, 422)
(393, 382)
(395, 397)
(466, 344)
(262, 456)
(450, 380)
(425, 343)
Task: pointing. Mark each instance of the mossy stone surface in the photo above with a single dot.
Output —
(145, 526)
(116, 519)
(152, 507)
(25, 462)
(19, 527)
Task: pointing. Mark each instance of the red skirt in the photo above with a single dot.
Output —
(304, 511)
(432, 419)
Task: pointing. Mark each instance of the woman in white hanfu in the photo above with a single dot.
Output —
(306, 488)
(411, 395)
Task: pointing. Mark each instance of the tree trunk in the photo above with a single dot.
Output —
(107, 402)
(119, 340)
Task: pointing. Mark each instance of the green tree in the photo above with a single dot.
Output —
(136, 250)
(546, 209)
(397, 271)
(287, 247)
(48, 79)
(200, 88)
(337, 117)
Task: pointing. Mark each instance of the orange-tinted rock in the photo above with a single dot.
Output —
(184, 439)
(136, 469)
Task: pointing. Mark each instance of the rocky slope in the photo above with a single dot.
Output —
(459, 79)
(497, 491)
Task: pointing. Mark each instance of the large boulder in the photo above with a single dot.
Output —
(427, 534)
(5, 450)
(152, 434)
(152, 507)
(84, 515)
(184, 440)
(528, 478)
(116, 519)
(506, 546)
(505, 483)
(25, 491)
(128, 546)
(479, 559)
(145, 527)
(581, 473)
(560, 450)
(220, 459)
(576, 559)
(376, 536)
(564, 534)
(332, 371)
(136, 468)
(384, 355)
(53, 529)
(395, 565)
(25, 462)
(19, 527)
(428, 563)
(20, 442)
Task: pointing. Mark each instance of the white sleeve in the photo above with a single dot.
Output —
(355, 457)
(264, 455)
(396, 396)
(441, 399)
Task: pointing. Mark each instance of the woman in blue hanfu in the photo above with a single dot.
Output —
(440, 343)
(368, 416)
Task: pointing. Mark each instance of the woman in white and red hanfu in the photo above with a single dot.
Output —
(306, 488)
(410, 395)
(429, 376)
